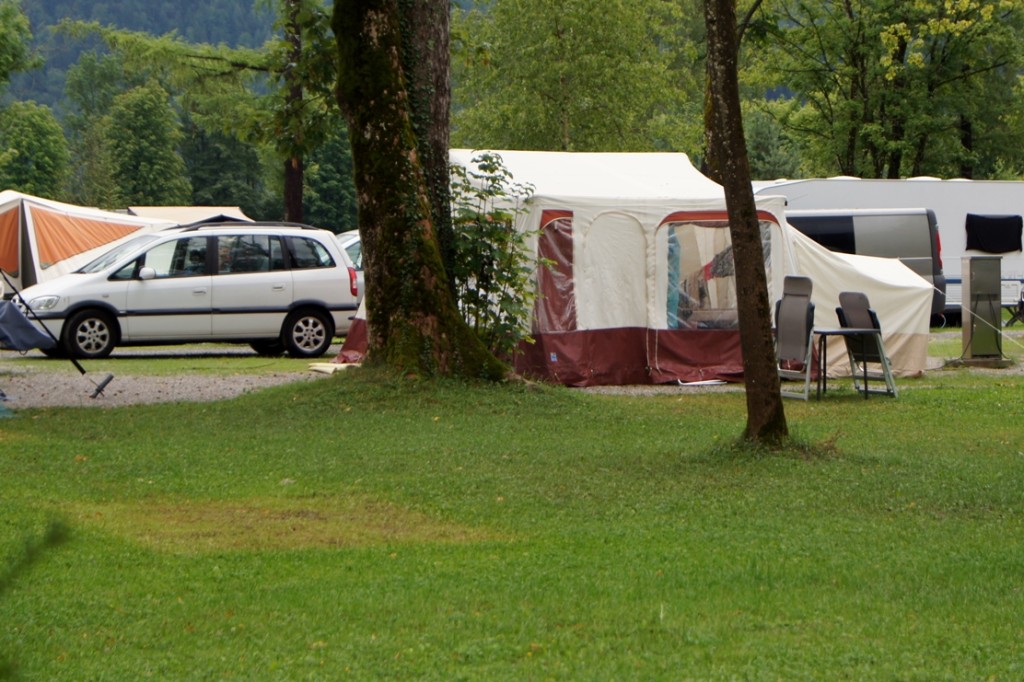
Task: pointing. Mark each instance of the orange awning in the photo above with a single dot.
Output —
(60, 236)
(9, 240)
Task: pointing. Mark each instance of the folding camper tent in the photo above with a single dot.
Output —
(641, 286)
(42, 239)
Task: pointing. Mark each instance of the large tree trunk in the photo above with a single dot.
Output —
(766, 419)
(426, 60)
(413, 324)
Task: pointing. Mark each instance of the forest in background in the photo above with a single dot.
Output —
(237, 23)
(869, 89)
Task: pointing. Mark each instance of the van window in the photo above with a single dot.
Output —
(175, 258)
(308, 253)
(833, 232)
(249, 253)
(108, 258)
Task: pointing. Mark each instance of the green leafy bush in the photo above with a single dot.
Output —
(492, 267)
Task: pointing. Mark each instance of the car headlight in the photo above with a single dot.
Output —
(44, 303)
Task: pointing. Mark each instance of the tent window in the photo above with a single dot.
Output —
(701, 275)
(613, 264)
(555, 306)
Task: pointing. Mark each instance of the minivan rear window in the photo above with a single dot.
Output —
(308, 253)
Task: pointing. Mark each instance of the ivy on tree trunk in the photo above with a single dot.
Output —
(413, 322)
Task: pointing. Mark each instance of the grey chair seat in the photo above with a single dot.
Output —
(794, 329)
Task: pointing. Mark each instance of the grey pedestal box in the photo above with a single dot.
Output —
(980, 307)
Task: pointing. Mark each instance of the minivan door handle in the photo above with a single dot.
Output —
(200, 291)
(277, 287)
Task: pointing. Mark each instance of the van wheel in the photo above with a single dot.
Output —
(89, 334)
(268, 347)
(308, 333)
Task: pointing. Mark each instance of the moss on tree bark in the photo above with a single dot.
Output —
(413, 323)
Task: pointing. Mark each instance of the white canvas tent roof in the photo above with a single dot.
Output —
(898, 295)
(611, 178)
(641, 289)
(42, 239)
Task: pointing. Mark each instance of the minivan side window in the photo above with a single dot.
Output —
(175, 258)
(249, 253)
(308, 253)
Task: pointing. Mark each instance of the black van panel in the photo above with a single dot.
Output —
(833, 232)
(908, 234)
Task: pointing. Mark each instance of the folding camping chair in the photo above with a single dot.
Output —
(794, 330)
(866, 351)
(1016, 312)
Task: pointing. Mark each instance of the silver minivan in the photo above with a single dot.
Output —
(910, 234)
(279, 287)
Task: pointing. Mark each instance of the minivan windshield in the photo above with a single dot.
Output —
(110, 257)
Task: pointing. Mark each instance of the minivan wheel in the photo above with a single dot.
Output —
(89, 334)
(268, 347)
(308, 333)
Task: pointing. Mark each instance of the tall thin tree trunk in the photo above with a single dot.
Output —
(293, 166)
(708, 164)
(766, 419)
(293, 173)
(967, 147)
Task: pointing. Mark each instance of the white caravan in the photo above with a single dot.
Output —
(975, 218)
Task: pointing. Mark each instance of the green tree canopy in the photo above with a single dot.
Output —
(90, 89)
(34, 156)
(15, 37)
(891, 89)
(329, 198)
(143, 134)
(576, 75)
(223, 171)
(279, 96)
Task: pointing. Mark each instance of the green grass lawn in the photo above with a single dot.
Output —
(364, 528)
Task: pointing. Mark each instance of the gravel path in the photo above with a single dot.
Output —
(26, 388)
(30, 387)
(51, 389)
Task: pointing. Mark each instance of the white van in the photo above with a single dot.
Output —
(278, 287)
(955, 203)
(909, 234)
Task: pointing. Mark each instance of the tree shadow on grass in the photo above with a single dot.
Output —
(794, 447)
(34, 548)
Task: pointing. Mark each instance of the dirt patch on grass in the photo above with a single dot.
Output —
(192, 527)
